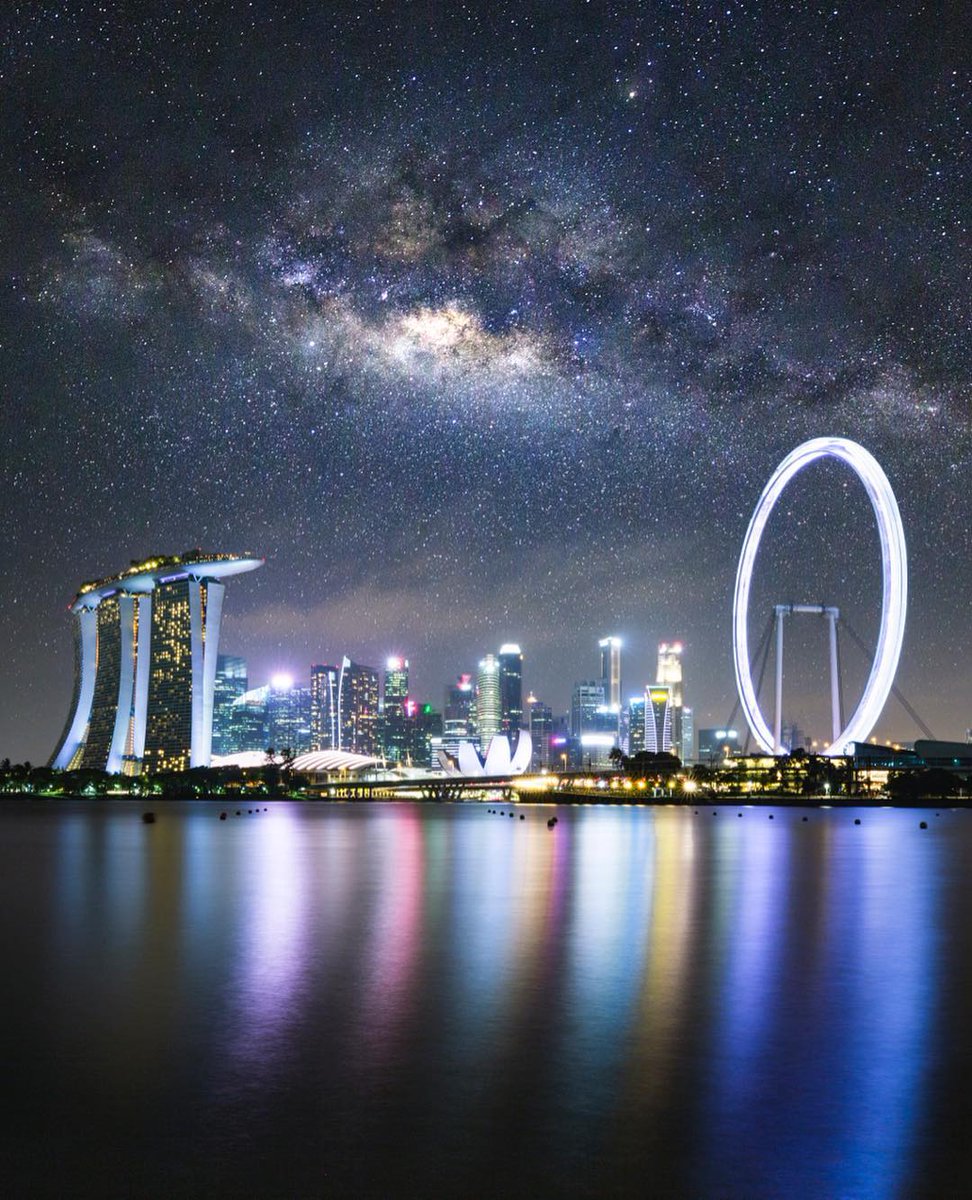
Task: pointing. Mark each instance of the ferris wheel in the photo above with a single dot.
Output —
(894, 600)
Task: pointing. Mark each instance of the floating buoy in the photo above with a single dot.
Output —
(771, 816)
(148, 818)
(923, 825)
(738, 814)
(552, 822)
(804, 818)
(222, 816)
(857, 820)
(522, 817)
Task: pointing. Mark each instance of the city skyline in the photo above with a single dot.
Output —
(488, 329)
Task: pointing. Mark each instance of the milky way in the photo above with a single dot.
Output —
(482, 327)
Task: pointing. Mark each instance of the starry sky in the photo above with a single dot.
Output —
(485, 323)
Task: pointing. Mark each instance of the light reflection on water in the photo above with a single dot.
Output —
(405, 999)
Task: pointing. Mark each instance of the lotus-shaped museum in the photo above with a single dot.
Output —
(498, 763)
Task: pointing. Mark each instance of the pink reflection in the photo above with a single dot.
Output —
(394, 937)
(275, 943)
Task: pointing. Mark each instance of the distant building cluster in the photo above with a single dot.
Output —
(153, 693)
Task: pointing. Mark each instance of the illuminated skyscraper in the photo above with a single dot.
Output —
(229, 685)
(541, 732)
(458, 719)
(325, 707)
(146, 649)
(636, 724)
(611, 670)
(288, 716)
(488, 709)
(670, 674)
(359, 708)
(392, 723)
(658, 719)
(511, 691)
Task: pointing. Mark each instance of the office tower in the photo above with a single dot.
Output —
(610, 648)
(457, 719)
(687, 735)
(593, 725)
(249, 726)
(488, 710)
(541, 733)
(586, 698)
(716, 745)
(288, 715)
(146, 650)
(670, 675)
(511, 691)
(325, 707)
(392, 722)
(229, 685)
(359, 708)
(658, 719)
(424, 727)
(636, 725)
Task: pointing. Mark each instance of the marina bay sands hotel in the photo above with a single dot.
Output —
(146, 642)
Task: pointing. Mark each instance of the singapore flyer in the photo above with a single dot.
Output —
(894, 598)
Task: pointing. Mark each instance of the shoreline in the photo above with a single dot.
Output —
(549, 800)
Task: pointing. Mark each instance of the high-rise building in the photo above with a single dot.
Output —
(325, 707)
(636, 724)
(488, 709)
(658, 719)
(716, 745)
(288, 715)
(229, 685)
(593, 726)
(511, 691)
(586, 699)
(344, 708)
(686, 739)
(670, 675)
(610, 648)
(146, 651)
(359, 708)
(541, 733)
(458, 718)
(249, 725)
(392, 723)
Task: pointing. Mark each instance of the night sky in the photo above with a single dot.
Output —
(485, 322)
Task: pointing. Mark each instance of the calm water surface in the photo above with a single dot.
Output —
(397, 1000)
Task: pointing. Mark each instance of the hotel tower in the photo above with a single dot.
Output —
(146, 645)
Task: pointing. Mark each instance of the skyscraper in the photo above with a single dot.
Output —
(288, 715)
(541, 731)
(511, 691)
(458, 723)
(146, 650)
(325, 707)
(636, 724)
(392, 723)
(670, 675)
(358, 691)
(658, 719)
(488, 709)
(230, 684)
(610, 648)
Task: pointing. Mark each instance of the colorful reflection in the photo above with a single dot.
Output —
(640, 999)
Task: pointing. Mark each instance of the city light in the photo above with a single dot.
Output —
(281, 682)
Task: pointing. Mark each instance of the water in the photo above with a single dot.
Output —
(397, 1000)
